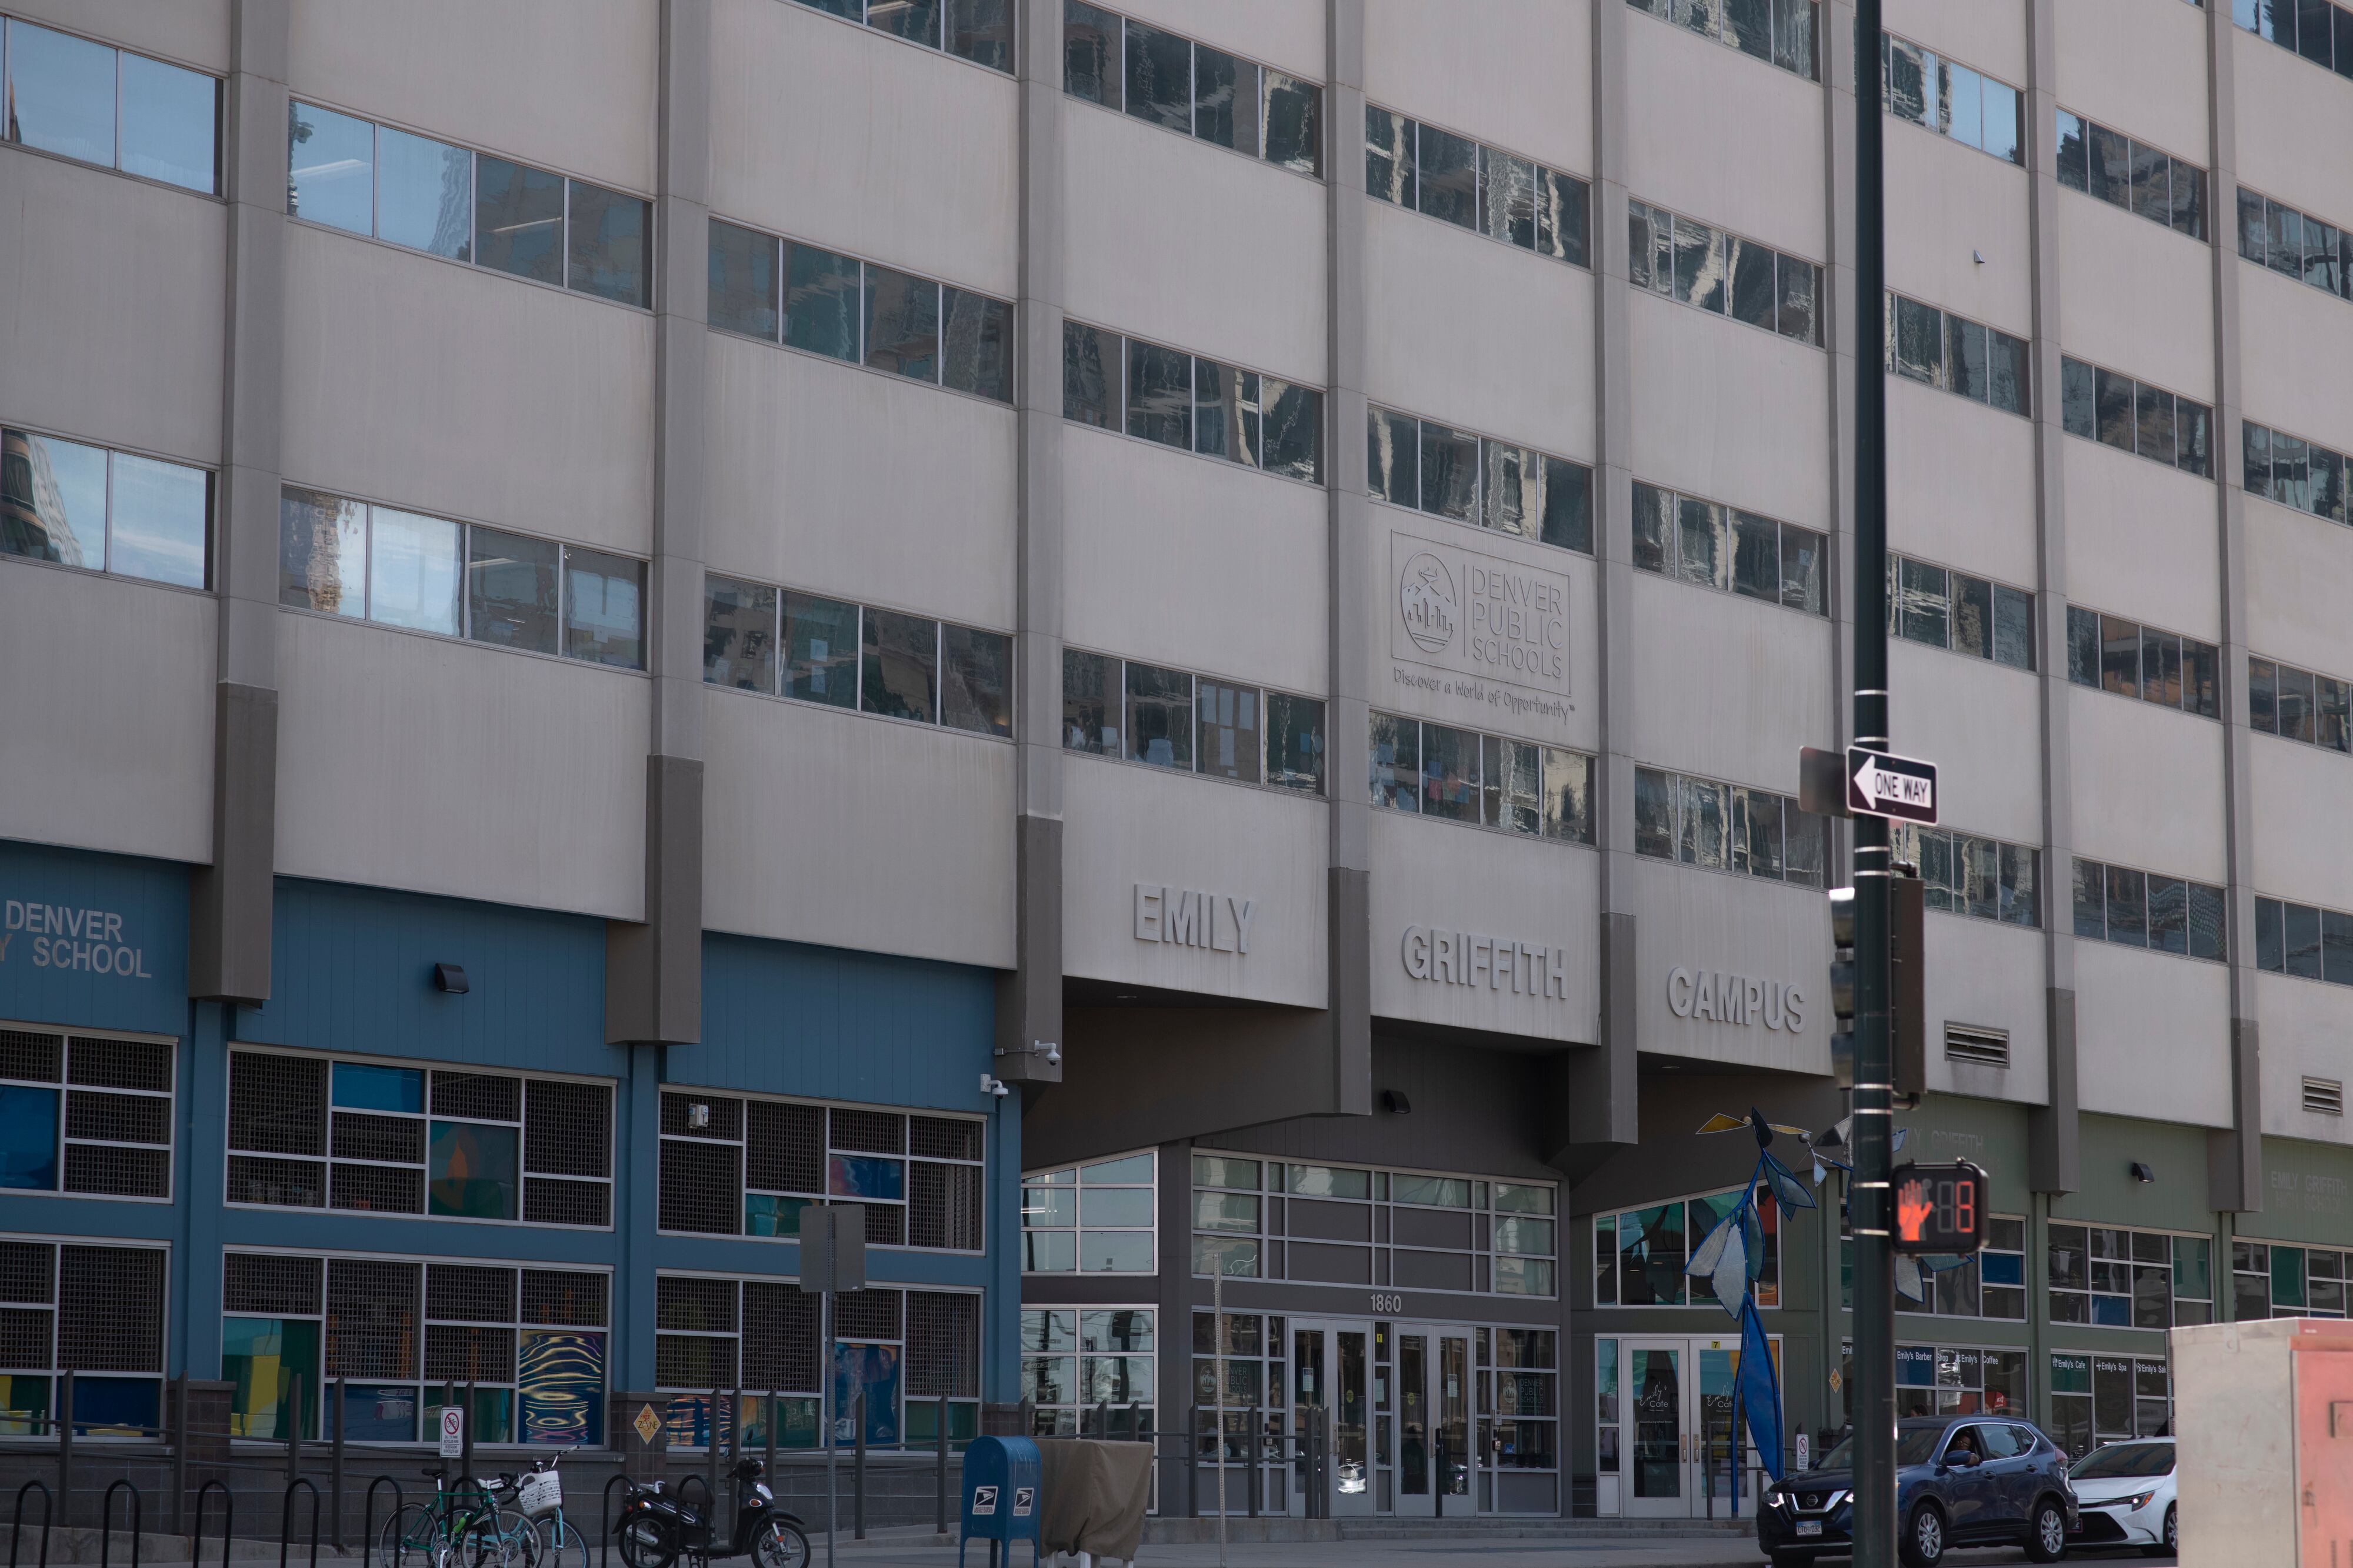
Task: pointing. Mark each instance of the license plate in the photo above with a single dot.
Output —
(1809, 1527)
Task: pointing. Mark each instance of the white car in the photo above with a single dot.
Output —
(2125, 1491)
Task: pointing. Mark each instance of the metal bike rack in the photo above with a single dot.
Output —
(606, 1517)
(196, 1537)
(106, 1523)
(367, 1516)
(286, 1520)
(17, 1526)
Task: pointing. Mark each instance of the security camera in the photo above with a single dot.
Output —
(1053, 1056)
(997, 1087)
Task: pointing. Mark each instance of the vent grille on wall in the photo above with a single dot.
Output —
(1977, 1045)
(2325, 1095)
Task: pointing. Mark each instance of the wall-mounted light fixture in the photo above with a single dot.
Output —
(1394, 1101)
(2142, 1173)
(451, 978)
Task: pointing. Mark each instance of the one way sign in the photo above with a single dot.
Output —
(1882, 785)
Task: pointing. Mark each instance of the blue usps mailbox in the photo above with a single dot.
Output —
(1000, 1495)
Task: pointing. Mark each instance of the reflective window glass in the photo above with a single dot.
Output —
(1395, 755)
(519, 219)
(330, 173)
(170, 124)
(321, 552)
(898, 675)
(742, 284)
(1225, 99)
(609, 232)
(1226, 422)
(1450, 472)
(820, 648)
(1228, 717)
(603, 598)
(60, 93)
(1394, 448)
(1561, 216)
(1294, 440)
(1449, 772)
(425, 194)
(902, 324)
(977, 343)
(1295, 741)
(1447, 185)
(981, 31)
(1800, 291)
(1699, 265)
(1159, 394)
(1756, 555)
(1292, 134)
(1802, 571)
(1508, 197)
(1159, 77)
(1925, 605)
(821, 302)
(157, 522)
(2127, 901)
(1755, 291)
(917, 21)
(1159, 716)
(1388, 156)
(977, 681)
(1091, 60)
(55, 500)
(1090, 703)
(415, 571)
(511, 590)
(1091, 371)
(739, 633)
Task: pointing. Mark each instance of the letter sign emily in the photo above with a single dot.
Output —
(1940, 1208)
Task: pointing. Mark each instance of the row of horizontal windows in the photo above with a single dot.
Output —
(450, 201)
(804, 297)
(2295, 245)
(1488, 781)
(2127, 1278)
(1166, 80)
(2298, 938)
(98, 105)
(79, 505)
(1954, 355)
(1173, 719)
(1778, 31)
(1736, 552)
(980, 31)
(1722, 272)
(1196, 405)
(92, 1311)
(2133, 660)
(1638, 1255)
(2271, 1280)
(2109, 407)
(1095, 1218)
(1727, 827)
(2320, 32)
(343, 557)
(2131, 175)
(86, 1114)
(1978, 110)
(1947, 609)
(2141, 908)
(2297, 705)
(1469, 184)
(2295, 472)
(1498, 485)
(1970, 874)
(813, 649)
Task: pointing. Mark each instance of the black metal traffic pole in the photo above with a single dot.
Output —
(1875, 1281)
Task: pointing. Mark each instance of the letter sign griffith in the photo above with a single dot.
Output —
(1940, 1208)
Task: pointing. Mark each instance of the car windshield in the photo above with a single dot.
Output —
(1914, 1445)
(2125, 1461)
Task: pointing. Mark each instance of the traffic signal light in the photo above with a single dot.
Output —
(1907, 977)
(1939, 1209)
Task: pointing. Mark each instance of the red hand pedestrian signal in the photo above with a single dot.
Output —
(1913, 1210)
(1939, 1209)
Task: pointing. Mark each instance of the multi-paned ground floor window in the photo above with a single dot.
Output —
(746, 1351)
(1087, 1372)
(2100, 1398)
(96, 1310)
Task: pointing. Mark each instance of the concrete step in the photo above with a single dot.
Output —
(1268, 1530)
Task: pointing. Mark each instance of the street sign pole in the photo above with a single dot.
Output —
(1874, 1280)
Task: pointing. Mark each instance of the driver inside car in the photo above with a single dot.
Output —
(1965, 1450)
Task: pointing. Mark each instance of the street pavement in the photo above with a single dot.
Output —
(1691, 1552)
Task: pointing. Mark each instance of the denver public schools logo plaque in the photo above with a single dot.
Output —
(1426, 602)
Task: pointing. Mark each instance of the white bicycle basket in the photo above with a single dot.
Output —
(541, 1493)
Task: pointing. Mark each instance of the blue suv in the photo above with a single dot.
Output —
(1960, 1480)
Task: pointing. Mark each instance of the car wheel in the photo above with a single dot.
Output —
(2046, 1535)
(2172, 1532)
(1924, 1537)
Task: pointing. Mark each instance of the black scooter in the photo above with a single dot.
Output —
(657, 1527)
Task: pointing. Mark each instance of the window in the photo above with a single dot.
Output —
(2296, 472)
(1727, 827)
(1779, 31)
(2320, 32)
(753, 1344)
(79, 1113)
(96, 1311)
(2300, 940)
(2297, 705)
(2295, 245)
(748, 1167)
(107, 511)
(980, 31)
(1473, 185)
(109, 107)
(1638, 1253)
(1089, 1219)
(1255, 1384)
(1991, 1283)
(1723, 273)
(1487, 781)
(2269, 1281)
(1338, 1225)
(1928, 604)
(375, 1137)
(2134, 417)
(353, 175)
(1969, 875)
(2142, 908)
(1950, 99)
(861, 657)
(1944, 351)
(780, 290)
(1178, 400)
(1512, 490)
(1171, 719)
(399, 1336)
(2131, 175)
(1192, 88)
(1089, 1372)
(1723, 548)
(2133, 660)
(1519, 1385)
(2121, 1279)
(342, 557)
(2101, 1398)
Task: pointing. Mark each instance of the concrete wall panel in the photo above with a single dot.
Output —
(1979, 720)
(1989, 36)
(1703, 703)
(2299, 579)
(2295, 334)
(1723, 140)
(2141, 541)
(1764, 399)
(193, 33)
(2302, 850)
(1947, 203)
(1712, 924)
(2138, 297)
(1511, 73)
(2140, 69)
(1960, 484)
(2149, 787)
(2152, 1035)
(1285, 34)
(2286, 110)
(1989, 975)
(2305, 1024)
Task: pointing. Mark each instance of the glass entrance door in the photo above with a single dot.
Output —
(1684, 1458)
(1435, 1463)
(1658, 1454)
(1331, 1394)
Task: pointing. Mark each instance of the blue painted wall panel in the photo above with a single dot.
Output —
(100, 941)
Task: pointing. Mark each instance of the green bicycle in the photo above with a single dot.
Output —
(462, 1527)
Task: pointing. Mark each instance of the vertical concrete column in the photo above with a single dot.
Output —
(1029, 999)
(1350, 590)
(653, 966)
(230, 899)
(1595, 1102)
(2054, 1143)
(2234, 1158)
(1178, 1293)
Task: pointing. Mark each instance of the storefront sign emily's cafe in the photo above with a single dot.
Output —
(64, 936)
(1723, 998)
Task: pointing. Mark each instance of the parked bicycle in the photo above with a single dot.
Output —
(657, 1527)
(462, 1527)
(539, 1498)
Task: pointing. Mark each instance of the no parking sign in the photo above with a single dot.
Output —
(453, 1431)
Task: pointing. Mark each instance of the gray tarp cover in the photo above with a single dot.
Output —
(1094, 1495)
